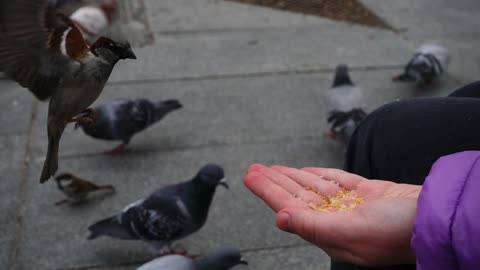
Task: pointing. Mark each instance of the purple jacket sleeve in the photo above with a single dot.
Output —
(446, 232)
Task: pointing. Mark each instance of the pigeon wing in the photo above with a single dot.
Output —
(158, 218)
(109, 226)
(137, 116)
(344, 98)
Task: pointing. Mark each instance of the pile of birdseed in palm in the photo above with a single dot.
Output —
(344, 200)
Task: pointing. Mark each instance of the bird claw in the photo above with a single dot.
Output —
(84, 121)
(330, 135)
(88, 117)
(176, 249)
(173, 252)
(119, 149)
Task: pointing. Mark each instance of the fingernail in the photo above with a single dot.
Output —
(284, 221)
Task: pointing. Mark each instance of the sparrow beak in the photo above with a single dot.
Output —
(243, 261)
(223, 183)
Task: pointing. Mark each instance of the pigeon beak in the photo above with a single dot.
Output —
(243, 261)
(404, 78)
(223, 183)
(129, 52)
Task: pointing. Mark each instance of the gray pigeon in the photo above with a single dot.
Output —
(168, 214)
(428, 63)
(222, 258)
(122, 119)
(344, 102)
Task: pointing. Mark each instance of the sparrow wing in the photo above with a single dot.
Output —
(84, 185)
(37, 46)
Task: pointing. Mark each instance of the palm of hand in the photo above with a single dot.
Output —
(377, 232)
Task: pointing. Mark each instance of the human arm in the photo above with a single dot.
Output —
(377, 232)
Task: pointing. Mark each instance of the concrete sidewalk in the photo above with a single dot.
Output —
(251, 80)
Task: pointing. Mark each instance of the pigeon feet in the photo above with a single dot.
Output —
(86, 118)
(330, 135)
(176, 249)
(179, 249)
(119, 149)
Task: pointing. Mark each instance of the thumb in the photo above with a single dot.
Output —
(300, 221)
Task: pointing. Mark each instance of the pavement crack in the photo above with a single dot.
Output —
(287, 139)
(288, 72)
(22, 196)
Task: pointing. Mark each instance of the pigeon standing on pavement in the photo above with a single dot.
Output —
(122, 119)
(344, 103)
(222, 258)
(428, 63)
(77, 189)
(46, 53)
(168, 214)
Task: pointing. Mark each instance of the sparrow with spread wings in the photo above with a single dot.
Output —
(45, 52)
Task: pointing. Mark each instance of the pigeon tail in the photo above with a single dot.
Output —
(342, 76)
(108, 227)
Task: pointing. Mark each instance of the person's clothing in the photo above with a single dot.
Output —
(470, 90)
(446, 233)
(401, 140)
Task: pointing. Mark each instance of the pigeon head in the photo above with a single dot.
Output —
(341, 76)
(172, 104)
(212, 175)
(112, 50)
(222, 258)
(421, 64)
(416, 67)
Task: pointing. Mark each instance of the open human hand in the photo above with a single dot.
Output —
(375, 233)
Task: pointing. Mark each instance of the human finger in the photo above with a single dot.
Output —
(308, 179)
(346, 180)
(274, 195)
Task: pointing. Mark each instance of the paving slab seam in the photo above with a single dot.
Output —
(445, 35)
(234, 30)
(200, 146)
(22, 192)
(256, 74)
(135, 263)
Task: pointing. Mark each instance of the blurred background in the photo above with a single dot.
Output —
(251, 76)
